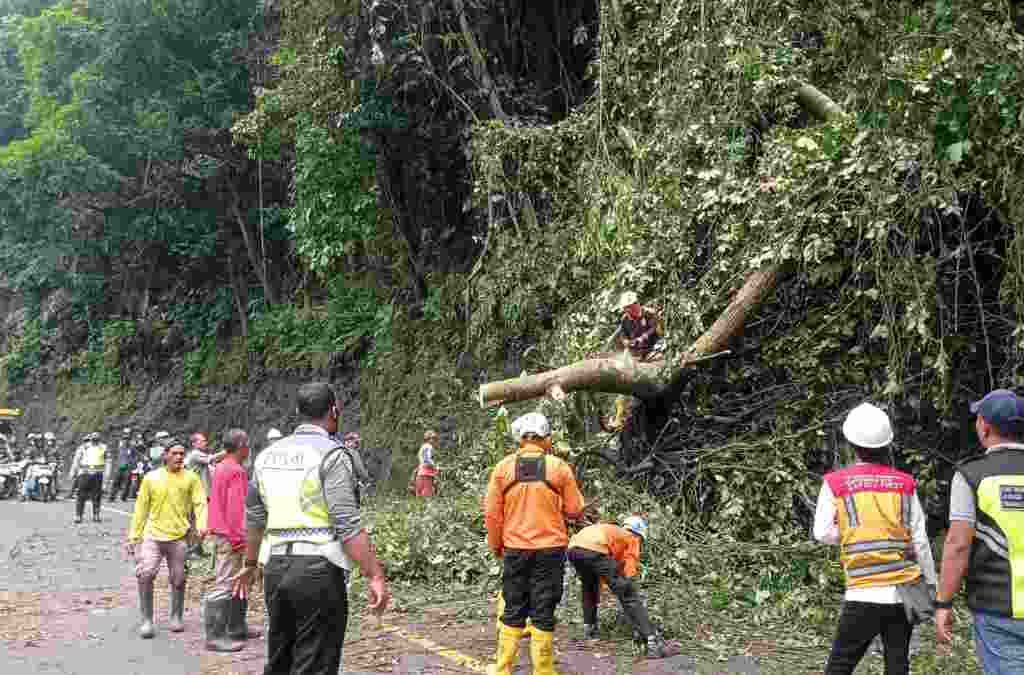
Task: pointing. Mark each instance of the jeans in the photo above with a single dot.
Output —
(592, 567)
(531, 585)
(859, 623)
(307, 605)
(1000, 643)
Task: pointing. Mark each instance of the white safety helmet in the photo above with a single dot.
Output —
(867, 426)
(626, 299)
(637, 525)
(531, 423)
(127, 431)
(274, 434)
(49, 436)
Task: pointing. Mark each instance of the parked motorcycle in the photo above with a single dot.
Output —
(138, 473)
(39, 478)
(9, 480)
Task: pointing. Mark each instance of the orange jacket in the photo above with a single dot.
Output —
(530, 515)
(613, 541)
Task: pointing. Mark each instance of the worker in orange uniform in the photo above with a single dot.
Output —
(530, 495)
(609, 553)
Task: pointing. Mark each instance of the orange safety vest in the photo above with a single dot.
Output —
(874, 506)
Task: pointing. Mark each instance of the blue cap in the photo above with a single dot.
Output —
(1003, 409)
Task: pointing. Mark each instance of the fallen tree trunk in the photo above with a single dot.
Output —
(622, 374)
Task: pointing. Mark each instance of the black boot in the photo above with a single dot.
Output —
(146, 610)
(238, 629)
(95, 513)
(216, 619)
(176, 624)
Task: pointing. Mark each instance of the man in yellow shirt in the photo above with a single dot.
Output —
(168, 498)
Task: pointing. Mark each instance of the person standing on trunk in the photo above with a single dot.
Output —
(200, 460)
(305, 496)
(92, 464)
(530, 494)
(872, 511)
(986, 535)
(609, 553)
(168, 500)
(225, 615)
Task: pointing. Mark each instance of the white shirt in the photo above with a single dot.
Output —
(826, 530)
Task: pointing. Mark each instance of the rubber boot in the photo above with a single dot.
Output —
(542, 652)
(508, 650)
(237, 627)
(146, 631)
(216, 615)
(95, 513)
(176, 625)
(590, 631)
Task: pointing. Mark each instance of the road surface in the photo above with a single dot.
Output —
(68, 605)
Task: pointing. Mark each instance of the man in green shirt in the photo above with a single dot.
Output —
(168, 499)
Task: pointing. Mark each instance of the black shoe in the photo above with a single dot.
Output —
(78, 520)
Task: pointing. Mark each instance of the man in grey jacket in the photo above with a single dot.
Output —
(304, 496)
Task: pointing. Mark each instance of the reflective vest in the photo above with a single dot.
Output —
(874, 505)
(94, 457)
(287, 475)
(995, 575)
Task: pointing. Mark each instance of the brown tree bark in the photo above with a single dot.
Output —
(624, 375)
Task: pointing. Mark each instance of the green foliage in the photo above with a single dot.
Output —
(203, 318)
(335, 205)
(350, 316)
(23, 356)
(200, 363)
(436, 541)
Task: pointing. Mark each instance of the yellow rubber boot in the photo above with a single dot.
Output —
(542, 652)
(501, 612)
(508, 650)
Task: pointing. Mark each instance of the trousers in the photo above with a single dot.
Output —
(229, 564)
(307, 605)
(90, 488)
(859, 623)
(1000, 643)
(592, 567)
(151, 553)
(531, 585)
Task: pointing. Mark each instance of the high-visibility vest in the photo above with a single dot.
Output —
(287, 475)
(874, 504)
(95, 456)
(995, 574)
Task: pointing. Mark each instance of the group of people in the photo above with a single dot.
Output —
(872, 511)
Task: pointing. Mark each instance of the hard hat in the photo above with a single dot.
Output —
(274, 434)
(868, 427)
(161, 434)
(31, 436)
(626, 299)
(637, 525)
(49, 436)
(531, 423)
(127, 431)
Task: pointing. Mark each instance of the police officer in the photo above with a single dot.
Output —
(986, 533)
(90, 478)
(304, 496)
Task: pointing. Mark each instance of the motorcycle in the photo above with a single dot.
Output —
(40, 477)
(8, 480)
(138, 473)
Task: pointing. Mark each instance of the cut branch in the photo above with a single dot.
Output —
(622, 374)
(814, 101)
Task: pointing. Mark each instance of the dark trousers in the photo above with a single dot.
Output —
(531, 585)
(122, 481)
(90, 488)
(307, 605)
(859, 623)
(591, 567)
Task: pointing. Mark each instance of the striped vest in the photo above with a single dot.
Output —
(874, 506)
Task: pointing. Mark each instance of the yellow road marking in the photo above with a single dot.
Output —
(453, 655)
